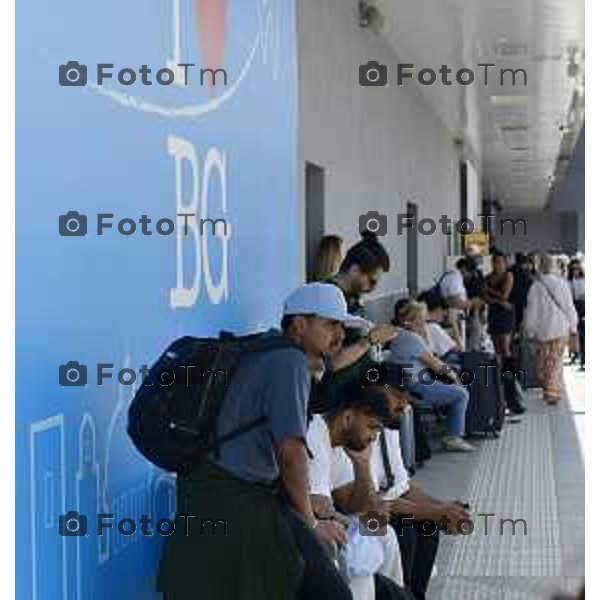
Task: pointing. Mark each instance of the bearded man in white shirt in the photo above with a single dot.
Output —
(348, 429)
(396, 499)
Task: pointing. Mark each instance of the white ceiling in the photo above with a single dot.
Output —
(514, 134)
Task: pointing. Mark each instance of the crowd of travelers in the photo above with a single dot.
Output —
(320, 501)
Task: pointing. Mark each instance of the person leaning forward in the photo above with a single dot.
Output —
(256, 489)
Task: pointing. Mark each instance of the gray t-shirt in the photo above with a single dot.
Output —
(275, 384)
(407, 349)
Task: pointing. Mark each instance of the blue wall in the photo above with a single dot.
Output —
(117, 299)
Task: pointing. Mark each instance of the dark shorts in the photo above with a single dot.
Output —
(501, 320)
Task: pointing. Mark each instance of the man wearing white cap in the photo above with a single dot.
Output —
(271, 550)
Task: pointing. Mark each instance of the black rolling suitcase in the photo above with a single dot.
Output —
(485, 412)
(422, 446)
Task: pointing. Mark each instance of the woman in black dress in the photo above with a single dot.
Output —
(501, 314)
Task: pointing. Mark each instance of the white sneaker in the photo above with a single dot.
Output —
(457, 444)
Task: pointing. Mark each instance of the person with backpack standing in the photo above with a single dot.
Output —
(460, 289)
(257, 482)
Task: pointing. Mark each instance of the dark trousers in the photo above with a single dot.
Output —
(580, 308)
(581, 334)
(321, 578)
(422, 447)
(418, 553)
(386, 589)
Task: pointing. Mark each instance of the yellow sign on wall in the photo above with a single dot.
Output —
(480, 239)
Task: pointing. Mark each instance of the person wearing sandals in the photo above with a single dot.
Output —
(550, 318)
(501, 313)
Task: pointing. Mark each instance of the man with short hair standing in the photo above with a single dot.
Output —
(270, 550)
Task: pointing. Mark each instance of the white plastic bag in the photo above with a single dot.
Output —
(363, 553)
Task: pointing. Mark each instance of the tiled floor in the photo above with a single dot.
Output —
(533, 472)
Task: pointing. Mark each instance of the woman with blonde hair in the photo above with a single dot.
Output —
(329, 257)
(428, 376)
(550, 319)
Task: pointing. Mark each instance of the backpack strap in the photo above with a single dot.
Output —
(560, 307)
(443, 276)
(436, 289)
(387, 467)
(232, 350)
(212, 396)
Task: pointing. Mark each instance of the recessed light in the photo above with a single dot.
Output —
(546, 57)
(508, 100)
(503, 48)
(514, 127)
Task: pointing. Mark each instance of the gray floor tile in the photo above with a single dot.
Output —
(535, 472)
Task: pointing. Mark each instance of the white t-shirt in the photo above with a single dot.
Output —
(439, 340)
(343, 471)
(452, 284)
(320, 474)
(329, 469)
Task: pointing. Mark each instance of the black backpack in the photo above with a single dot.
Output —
(173, 416)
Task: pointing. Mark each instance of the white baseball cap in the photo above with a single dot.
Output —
(323, 300)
